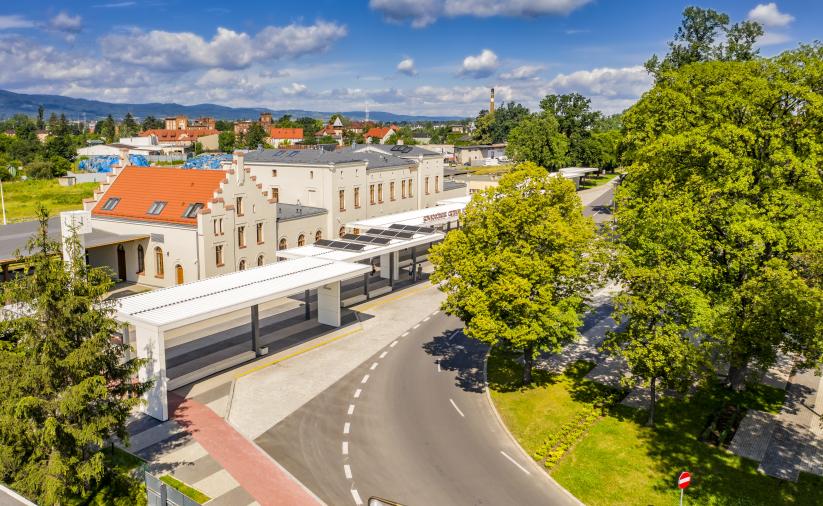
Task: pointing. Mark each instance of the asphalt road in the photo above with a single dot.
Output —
(600, 208)
(412, 424)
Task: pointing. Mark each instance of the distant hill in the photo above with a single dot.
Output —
(78, 108)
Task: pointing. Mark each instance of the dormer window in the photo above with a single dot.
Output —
(157, 207)
(191, 211)
(111, 203)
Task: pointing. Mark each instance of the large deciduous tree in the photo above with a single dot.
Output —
(736, 149)
(494, 128)
(66, 386)
(536, 139)
(518, 269)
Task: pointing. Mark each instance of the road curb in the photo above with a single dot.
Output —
(523, 453)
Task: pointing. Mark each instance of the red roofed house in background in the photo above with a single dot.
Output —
(379, 135)
(185, 138)
(283, 136)
(187, 224)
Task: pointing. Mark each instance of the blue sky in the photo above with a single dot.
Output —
(403, 56)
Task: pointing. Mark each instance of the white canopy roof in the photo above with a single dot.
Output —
(427, 217)
(180, 305)
(369, 250)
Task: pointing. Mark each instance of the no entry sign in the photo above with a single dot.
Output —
(684, 479)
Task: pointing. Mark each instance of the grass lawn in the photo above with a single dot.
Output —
(23, 197)
(591, 182)
(192, 493)
(122, 490)
(618, 460)
(491, 169)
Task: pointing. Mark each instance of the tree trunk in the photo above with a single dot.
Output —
(652, 401)
(737, 373)
(528, 362)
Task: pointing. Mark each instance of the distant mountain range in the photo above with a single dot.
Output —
(78, 108)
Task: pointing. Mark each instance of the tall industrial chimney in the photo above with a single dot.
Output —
(491, 103)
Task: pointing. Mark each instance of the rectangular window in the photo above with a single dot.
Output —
(216, 227)
(371, 194)
(411, 184)
(274, 173)
(357, 198)
(426, 185)
(380, 193)
(392, 196)
(241, 237)
(191, 210)
(239, 207)
(341, 197)
(221, 226)
(111, 203)
(157, 208)
(259, 233)
(218, 255)
(436, 184)
(402, 188)
(275, 194)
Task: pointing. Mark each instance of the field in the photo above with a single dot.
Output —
(617, 460)
(22, 198)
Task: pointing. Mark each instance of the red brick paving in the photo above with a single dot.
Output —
(256, 472)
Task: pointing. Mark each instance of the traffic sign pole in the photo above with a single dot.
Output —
(683, 481)
(681, 496)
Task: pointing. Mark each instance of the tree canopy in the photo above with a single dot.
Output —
(66, 386)
(537, 139)
(518, 269)
(724, 194)
(495, 128)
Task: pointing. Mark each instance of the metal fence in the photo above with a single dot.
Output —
(160, 494)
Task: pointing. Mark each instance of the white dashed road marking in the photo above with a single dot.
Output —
(365, 379)
(438, 367)
(346, 428)
(404, 334)
(373, 366)
(357, 393)
(351, 408)
(458, 409)
(345, 447)
(383, 355)
(426, 318)
(515, 463)
(356, 496)
(416, 326)
(392, 345)
(347, 471)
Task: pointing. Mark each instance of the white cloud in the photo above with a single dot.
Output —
(610, 89)
(294, 89)
(522, 73)
(769, 15)
(482, 65)
(10, 21)
(33, 63)
(770, 38)
(65, 22)
(227, 49)
(422, 13)
(406, 66)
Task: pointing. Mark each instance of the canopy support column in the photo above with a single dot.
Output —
(307, 304)
(151, 347)
(328, 304)
(414, 264)
(255, 330)
(366, 285)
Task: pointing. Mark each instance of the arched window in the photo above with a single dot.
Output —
(242, 266)
(141, 259)
(158, 262)
(341, 232)
(301, 240)
(318, 235)
(260, 260)
(283, 244)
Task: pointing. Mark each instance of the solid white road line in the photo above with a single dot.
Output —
(515, 463)
(365, 379)
(356, 496)
(373, 366)
(345, 447)
(351, 408)
(383, 355)
(347, 471)
(346, 428)
(392, 345)
(357, 393)
(458, 409)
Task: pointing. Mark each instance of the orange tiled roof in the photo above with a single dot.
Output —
(189, 134)
(139, 187)
(380, 132)
(286, 133)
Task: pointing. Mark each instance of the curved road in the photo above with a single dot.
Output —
(412, 424)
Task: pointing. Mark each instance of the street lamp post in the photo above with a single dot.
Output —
(2, 201)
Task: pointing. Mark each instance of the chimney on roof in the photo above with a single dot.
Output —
(238, 161)
(491, 103)
(124, 157)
